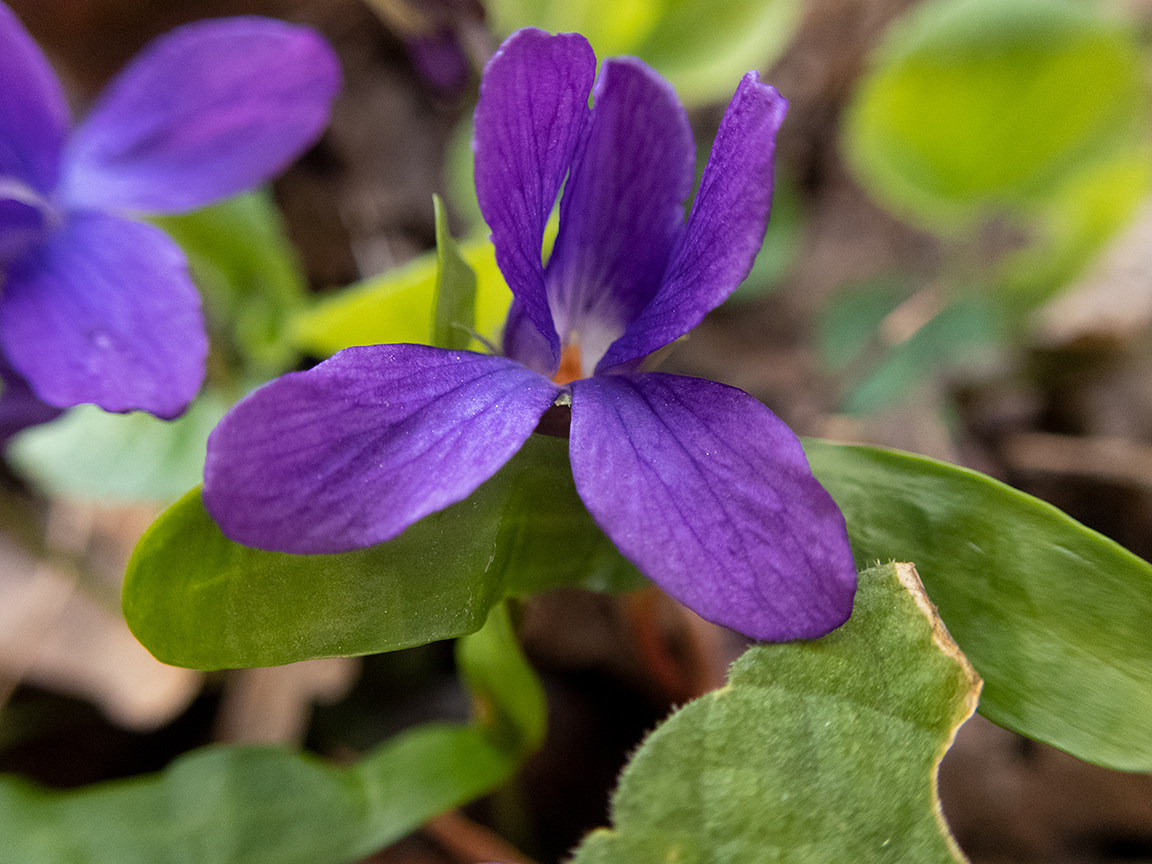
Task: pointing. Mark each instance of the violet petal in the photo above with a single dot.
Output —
(21, 227)
(33, 113)
(710, 495)
(356, 449)
(623, 205)
(724, 230)
(204, 112)
(522, 341)
(19, 405)
(104, 311)
(530, 120)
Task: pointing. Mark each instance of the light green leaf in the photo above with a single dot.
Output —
(194, 598)
(703, 47)
(397, 306)
(976, 104)
(454, 307)
(1083, 215)
(247, 270)
(814, 752)
(1053, 615)
(89, 453)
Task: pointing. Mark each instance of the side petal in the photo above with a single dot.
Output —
(523, 342)
(203, 112)
(724, 230)
(104, 311)
(33, 113)
(623, 205)
(710, 495)
(530, 121)
(356, 449)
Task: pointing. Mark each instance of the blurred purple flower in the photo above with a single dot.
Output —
(697, 483)
(98, 308)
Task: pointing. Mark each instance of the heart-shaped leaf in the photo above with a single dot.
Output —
(814, 752)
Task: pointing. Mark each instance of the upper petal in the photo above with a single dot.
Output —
(724, 230)
(203, 112)
(710, 495)
(33, 113)
(530, 121)
(623, 205)
(104, 311)
(356, 449)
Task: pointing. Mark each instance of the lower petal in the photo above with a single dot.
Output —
(710, 495)
(19, 406)
(104, 311)
(356, 449)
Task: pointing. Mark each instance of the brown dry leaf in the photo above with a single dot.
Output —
(56, 636)
(272, 705)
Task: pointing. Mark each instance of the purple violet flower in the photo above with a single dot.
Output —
(95, 307)
(697, 483)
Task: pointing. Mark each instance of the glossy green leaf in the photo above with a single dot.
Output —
(973, 104)
(89, 453)
(454, 306)
(397, 306)
(246, 268)
(814, 752)
(508, 697)
(703, 47)
(194, 598)
(1053, 615)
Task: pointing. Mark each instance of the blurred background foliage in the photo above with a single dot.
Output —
(959, 264)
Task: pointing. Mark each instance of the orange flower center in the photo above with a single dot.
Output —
(570, 368)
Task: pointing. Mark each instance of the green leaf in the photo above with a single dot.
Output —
(247, 805)
(1053, 615)
(814, 752)
(194, 598)
(880, 367)
(254, 805)
(454, 315)
(90, 453)
(850, 324)
(962, 336)
(397, 306)
(246, 268)
(703, 47)
(1084, 214)
(508, 697)
(975, 104)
